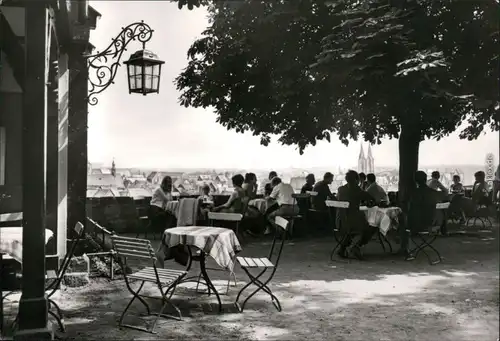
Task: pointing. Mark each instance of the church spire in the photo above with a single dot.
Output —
(370, 161)
(369, 151)
(113, 168)
(361, 152)
(361, 160)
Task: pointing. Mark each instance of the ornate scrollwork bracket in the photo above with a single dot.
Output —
(101, 74)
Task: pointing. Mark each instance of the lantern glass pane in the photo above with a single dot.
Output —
(156, 70)
(131, 82)
(130, 70)
(155, 81)
(138, 81)
(148, 82)
(148, 70)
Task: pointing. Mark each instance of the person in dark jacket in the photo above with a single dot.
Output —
(309, 185)
(353, 220)
(362, 181)
(322, 188)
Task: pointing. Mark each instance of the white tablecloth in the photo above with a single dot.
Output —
(220, 243)
(11, 241)
(383, 218)
(261, 204)
(173, 207)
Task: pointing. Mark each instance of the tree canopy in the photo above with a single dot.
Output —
(306, 68)
(376, 68)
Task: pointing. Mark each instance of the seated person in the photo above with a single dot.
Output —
(235, 202)
(362, 181)
(480, 197)
(309, 185)
(267, 187)
(421, 210)
(323, 189)
(284, 207)
(375, 191)
(250, 185)
(456, 200)
(158, 204)
(206, 196)
(457, 187)
(250, 188)
(481, 190)
(353, 221)
(205, 202)
(436, 185)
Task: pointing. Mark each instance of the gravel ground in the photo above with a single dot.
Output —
(382, 298)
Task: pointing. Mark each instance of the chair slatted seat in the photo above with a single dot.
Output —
(140, 249)
(165, 276)
(249, 262)
(263, 264)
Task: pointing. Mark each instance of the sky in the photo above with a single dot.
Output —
(154, 131)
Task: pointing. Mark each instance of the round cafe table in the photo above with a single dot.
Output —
(219, 243)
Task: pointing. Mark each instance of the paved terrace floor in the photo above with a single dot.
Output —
(383, 298)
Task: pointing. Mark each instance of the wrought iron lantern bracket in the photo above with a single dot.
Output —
(100, 74)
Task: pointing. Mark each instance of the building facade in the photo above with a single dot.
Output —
(43, 120)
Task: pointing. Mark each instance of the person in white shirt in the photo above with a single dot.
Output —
(436, 185)
(374, 189)
(284, 205)
(158, 204)
(267, 185)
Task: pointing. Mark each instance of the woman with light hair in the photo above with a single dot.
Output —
(158, 204)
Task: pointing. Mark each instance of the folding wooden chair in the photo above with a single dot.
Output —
(481, 214)
(227, 217)
(57, 277)
(141, 249)
(248, 263)
(340, 207)
(314, 216)
(426, 235)
(296, 197)
(79, 232)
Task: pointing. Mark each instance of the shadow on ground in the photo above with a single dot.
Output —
(383, 298)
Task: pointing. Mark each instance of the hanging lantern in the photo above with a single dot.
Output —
(143, 70)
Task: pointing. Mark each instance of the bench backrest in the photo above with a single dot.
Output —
(301, 195)
(337, 204)
(11, 219)
(225, 216)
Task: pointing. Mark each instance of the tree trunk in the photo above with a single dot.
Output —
(409, 143)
